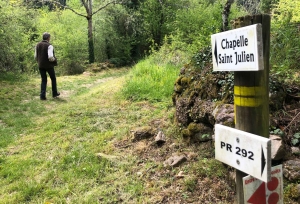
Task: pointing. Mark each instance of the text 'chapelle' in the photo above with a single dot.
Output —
(237, 57)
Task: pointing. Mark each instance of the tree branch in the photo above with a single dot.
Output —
(292, 121)
(84, 2)
(111, 2)
(103, 7)
(66, 7)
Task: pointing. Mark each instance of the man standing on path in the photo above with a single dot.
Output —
(45, 57)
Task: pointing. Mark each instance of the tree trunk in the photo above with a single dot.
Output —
(225, 14)
(89, 10)
(91, 40)
(88, 5)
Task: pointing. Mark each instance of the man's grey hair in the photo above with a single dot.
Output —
(46, 36)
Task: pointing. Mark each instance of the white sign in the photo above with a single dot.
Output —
(244, 151)
(259, 192)
(238, 50)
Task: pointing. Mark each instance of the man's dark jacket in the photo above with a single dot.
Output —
(42, 55)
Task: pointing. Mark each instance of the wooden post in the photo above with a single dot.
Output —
(251, 93)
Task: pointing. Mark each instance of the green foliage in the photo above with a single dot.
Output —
(268, 5)
(157, 16)
(287, 9)
(277, 132)
(16, 37)
(205, 136)
(39, 4)
(125, 33)
(296, 138)
(148, 80)
(117, 62)
(168, 55)
(115, 35)
(195, 22)
(193, 30)
(68, 36)
(203, 57)
(285, 46)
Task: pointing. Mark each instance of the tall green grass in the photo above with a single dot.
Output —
(149, 80)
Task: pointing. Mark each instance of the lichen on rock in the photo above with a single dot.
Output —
(196, 91)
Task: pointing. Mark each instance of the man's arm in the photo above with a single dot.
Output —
(50, 54)
(35, 53)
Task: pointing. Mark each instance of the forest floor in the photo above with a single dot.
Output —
(78, 148)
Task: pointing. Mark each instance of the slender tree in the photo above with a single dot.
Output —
(88, 5)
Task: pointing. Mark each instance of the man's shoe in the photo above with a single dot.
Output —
(55, 95)
(43, 98)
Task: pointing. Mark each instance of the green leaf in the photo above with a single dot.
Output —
(297, 135)
(295, 141)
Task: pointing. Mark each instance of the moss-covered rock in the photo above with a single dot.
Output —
(182, 112)
(292, 191)
(185, 81)
(194, 127)
(195, 91)
(178, 88)
(197, 132)
(206, 97)
(201, 111)
(186, 133)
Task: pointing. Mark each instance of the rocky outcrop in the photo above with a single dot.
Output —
(291, 170)
(204, 97)
(194, 98)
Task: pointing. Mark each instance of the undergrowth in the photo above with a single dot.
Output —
(149, 80)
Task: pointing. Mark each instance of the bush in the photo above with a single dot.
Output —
(285, 46)
(114, 36)
(117, 62)
(148, 80)
(16, 37)
(72, 68)
(196, 22)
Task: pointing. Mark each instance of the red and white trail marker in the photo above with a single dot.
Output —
(259, 192)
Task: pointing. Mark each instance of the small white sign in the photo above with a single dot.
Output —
(238, 50)
(244, 151)
(259, 192)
